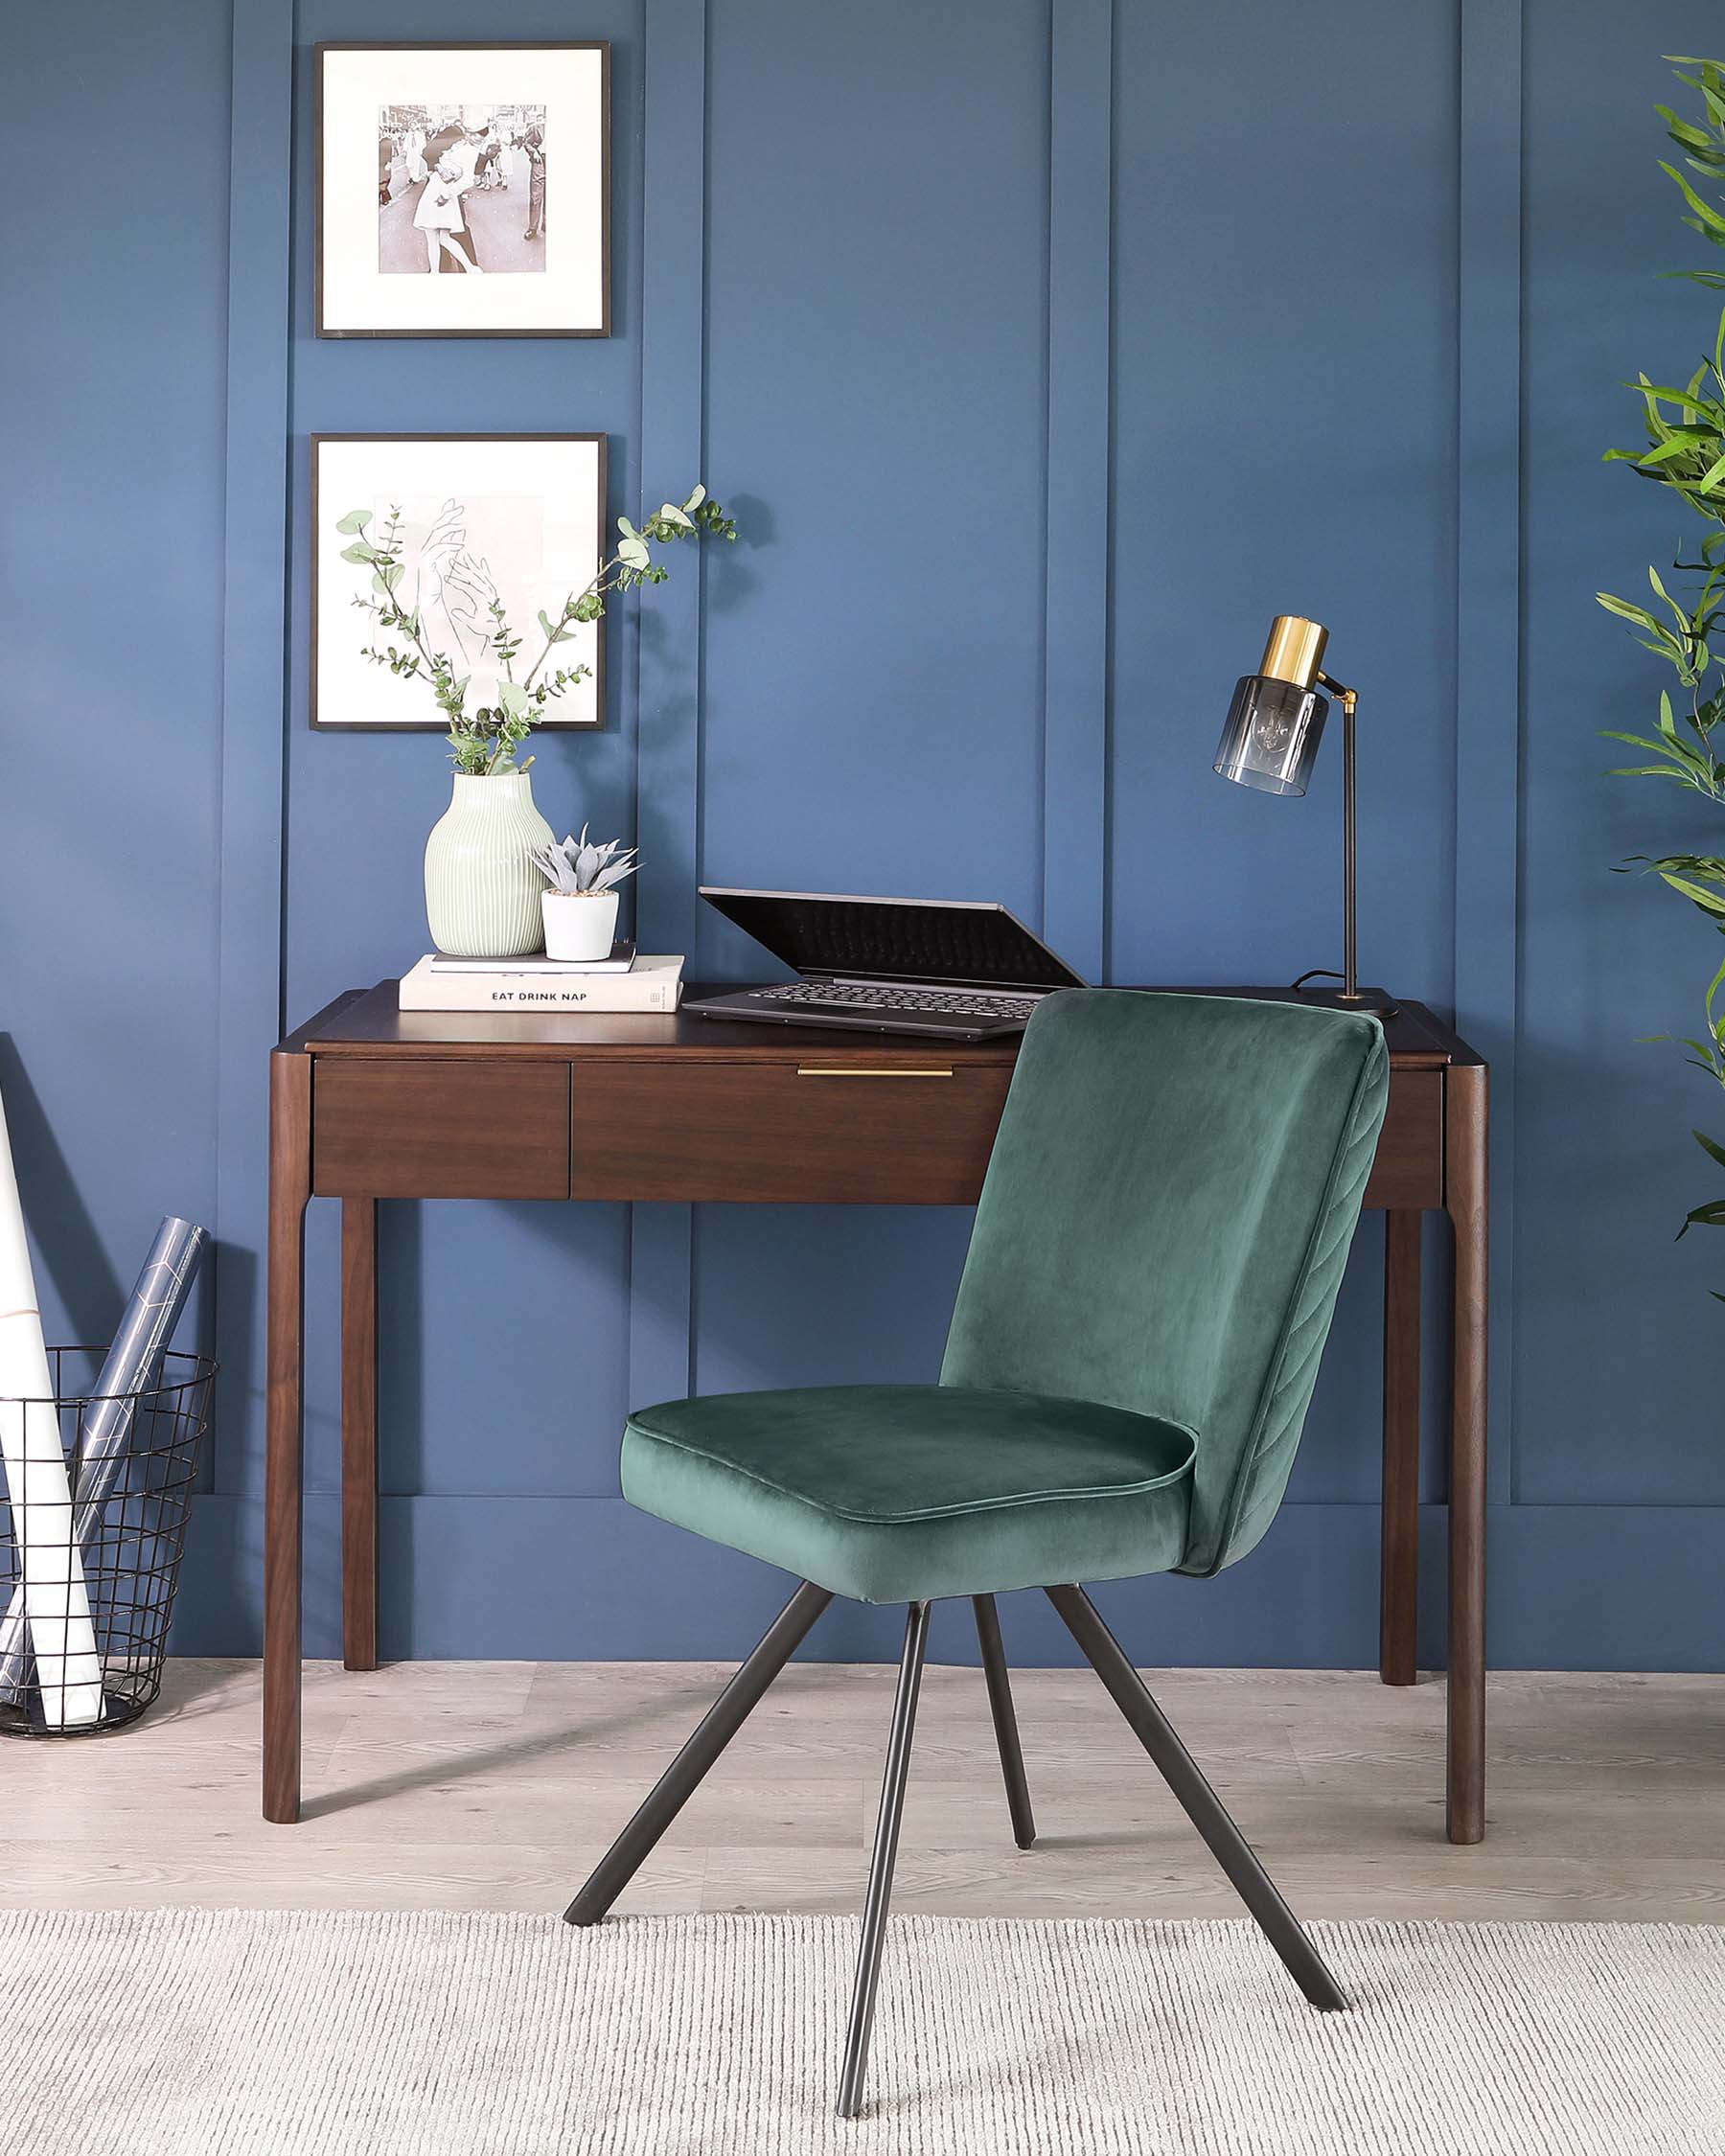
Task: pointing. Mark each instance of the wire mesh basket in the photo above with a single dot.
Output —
(87, 1589)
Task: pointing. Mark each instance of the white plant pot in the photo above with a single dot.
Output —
(482, 889)
(579, 925)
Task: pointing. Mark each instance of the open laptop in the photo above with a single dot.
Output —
(950, 967)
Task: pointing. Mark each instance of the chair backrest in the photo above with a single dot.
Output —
(1164, 1223)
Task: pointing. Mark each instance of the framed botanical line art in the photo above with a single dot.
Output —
(483, 537)
(463, 190)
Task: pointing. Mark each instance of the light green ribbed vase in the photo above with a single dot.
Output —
(482, 891)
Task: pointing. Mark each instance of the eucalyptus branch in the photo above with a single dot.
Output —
(485, 740)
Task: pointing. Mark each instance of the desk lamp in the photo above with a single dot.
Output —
(1270, 742)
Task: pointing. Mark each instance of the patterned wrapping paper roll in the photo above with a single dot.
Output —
(52, 1592)
(133, 1366)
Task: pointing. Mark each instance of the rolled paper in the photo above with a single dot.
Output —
(133, 1366)
(38, 1492)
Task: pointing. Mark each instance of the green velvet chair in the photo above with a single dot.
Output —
(1151, 1277)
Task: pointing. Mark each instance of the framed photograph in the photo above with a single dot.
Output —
(473, 523)
(463, 190)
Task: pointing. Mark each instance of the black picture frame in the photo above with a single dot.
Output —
(328, 46)
(436, 725)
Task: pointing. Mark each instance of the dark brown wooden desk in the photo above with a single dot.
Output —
(369, 1102)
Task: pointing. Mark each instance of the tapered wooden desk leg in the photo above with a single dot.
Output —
(359, 1432)
(1398, 1618)
(289, 1188)
(1466, 1128)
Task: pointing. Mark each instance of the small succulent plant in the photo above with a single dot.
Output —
(581, 869)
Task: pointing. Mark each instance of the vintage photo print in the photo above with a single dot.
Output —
(456, 184)
(444, 169)
(483, 527)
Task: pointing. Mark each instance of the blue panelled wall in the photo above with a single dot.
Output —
(1045, 348)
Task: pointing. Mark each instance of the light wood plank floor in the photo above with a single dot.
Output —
(495, 1785)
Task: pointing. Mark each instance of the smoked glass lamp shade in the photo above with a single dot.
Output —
(1269, 739)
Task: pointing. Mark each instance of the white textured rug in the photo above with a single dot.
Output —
(301, 2034)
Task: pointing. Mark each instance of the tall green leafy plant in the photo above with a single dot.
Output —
(1685, 453)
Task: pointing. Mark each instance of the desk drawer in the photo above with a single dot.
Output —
(850, 1129)
(1409, 1168)
(465, 1127)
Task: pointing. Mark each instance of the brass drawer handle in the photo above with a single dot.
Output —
(835, 1070)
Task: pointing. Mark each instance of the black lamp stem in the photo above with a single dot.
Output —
(1350, 975)
(1350, 967)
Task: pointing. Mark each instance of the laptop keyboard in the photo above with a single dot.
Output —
(849, 996)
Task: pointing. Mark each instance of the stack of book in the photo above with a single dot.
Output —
(625, 981)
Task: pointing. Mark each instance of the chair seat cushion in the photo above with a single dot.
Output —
(903, 1493)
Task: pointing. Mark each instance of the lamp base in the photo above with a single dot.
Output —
(1373, 1001)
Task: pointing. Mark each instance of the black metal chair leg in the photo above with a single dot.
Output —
(880, 1869)
(1006, 1721)
(683, 1775)
(1201, 1803)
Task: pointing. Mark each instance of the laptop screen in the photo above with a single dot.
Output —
(896, 939)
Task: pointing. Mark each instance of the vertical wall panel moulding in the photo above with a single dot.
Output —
(253, 740)
(668, 723)
(1489, 714)
(1075, 682)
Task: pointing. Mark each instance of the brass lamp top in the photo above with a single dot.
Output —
(1294, 651)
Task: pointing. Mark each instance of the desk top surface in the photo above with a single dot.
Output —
(367, 1022)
